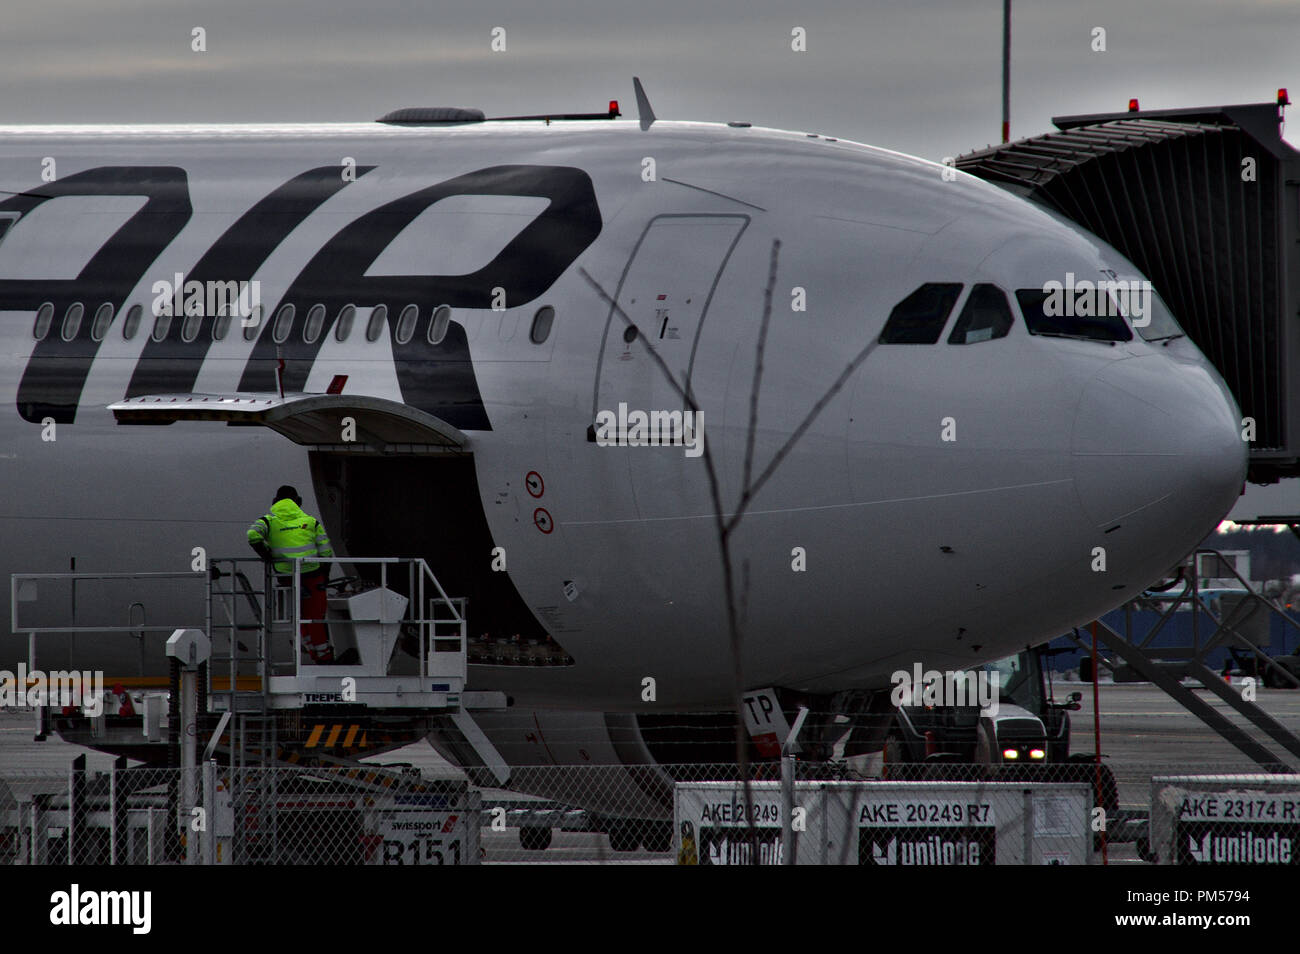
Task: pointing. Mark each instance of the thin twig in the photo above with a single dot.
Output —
(758, 365)
(725, 524)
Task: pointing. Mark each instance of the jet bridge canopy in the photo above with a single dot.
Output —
(335, 422)
(1206, 202)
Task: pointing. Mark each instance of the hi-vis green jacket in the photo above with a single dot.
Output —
(289, 532)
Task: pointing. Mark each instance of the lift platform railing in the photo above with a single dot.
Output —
(91, 620)
(390, 618)
(45, 607)
(437, 619)
(104, 620)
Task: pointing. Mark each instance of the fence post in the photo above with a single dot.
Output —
(209, 832)
(76, 805)
(789, 843)
(1028, 846)
(112, 813)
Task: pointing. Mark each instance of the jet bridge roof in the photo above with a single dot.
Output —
(1177, 192)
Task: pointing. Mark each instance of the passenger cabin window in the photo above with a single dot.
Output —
(378, 318)
(103, 318)
(190, 327)
(1053, 313)
(919, 318)
(161, 324)
(254, 325)
(44, 315)
(406, 323)
(283, 324)
(985, 316)
(315, 322)
(221, 327)
(343, 324)
(72, 320)
(131, 323)
(542, 322)
(439, 323)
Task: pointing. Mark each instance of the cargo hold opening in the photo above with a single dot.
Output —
(429, 506)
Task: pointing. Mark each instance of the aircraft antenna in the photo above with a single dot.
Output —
(643, 111)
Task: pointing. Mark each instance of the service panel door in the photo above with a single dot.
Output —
(666, 289)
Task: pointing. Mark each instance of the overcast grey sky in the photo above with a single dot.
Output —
(920, 77)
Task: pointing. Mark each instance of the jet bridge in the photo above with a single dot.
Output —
(1206, 202)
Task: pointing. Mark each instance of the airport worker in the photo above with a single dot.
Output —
(286, 532)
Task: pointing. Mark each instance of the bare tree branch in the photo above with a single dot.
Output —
(750, 492)
(754, 390)
(726, 524)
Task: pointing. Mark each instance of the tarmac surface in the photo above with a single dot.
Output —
(1144, 733)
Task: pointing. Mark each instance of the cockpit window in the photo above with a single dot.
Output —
(919, 318)
(1055, 313)
(985, 316)
(1149, 315)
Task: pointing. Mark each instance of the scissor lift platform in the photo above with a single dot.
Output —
(239, 678)
(399, 641)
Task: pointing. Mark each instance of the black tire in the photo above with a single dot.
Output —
(1087, 772)
(1082, 767)
(624, 835)
(658, 836)
(1274, 680)
(896, 751)
(1144, 851)
(535, 839)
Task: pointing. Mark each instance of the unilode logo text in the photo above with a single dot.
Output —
(732, 847)
(626, 428)
(933, 850)
(1244, 848)
(947, 688)
(55, 688)
(1102, 299)
(77, 907)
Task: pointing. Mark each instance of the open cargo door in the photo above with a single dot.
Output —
(333, 422)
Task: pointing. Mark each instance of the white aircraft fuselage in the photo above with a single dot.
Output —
(946, 506)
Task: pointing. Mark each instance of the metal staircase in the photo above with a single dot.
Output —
(1166, 666)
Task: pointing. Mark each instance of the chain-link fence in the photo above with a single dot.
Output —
(823, 813)
(215, 815)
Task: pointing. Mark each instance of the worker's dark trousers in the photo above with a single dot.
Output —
(312, 605)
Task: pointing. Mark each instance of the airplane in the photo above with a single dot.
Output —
(486, 291)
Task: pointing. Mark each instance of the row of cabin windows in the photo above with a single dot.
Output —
(921, 317)
(407, 319)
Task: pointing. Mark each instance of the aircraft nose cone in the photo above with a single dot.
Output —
(1155, 436)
